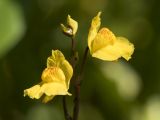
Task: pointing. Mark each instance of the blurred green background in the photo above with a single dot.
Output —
(30, 29)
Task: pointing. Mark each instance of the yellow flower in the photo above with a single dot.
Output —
(55, 78)
(103, 44)
(71, 28)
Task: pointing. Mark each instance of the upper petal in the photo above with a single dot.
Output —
(104, 38)
(67, 70)
(53, 74)
(55, 59)
(95, 24)
(58, 59)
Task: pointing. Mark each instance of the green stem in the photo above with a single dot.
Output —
(66, 114)
(73, 63)
(73, 53)
(73, 43)
(78, 85)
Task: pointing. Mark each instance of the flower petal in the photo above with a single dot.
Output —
(121, 48)
(33, 92)
(96, 22)
(47, 98)
(127, 48)
(104, 38)
(58, 59)
(55, 59)
(73, 24)
(53, 74)
(67, 70)
(54, 88)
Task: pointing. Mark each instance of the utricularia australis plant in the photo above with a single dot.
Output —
(56, 77)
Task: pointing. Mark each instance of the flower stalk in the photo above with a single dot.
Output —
(78, 86)
(73, 63)
(66, 113)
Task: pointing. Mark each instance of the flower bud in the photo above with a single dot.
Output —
(71, 28)
(67, 30)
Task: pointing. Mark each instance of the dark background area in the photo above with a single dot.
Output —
(30, 29)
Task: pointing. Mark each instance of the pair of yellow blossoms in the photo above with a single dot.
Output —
(103, 44)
